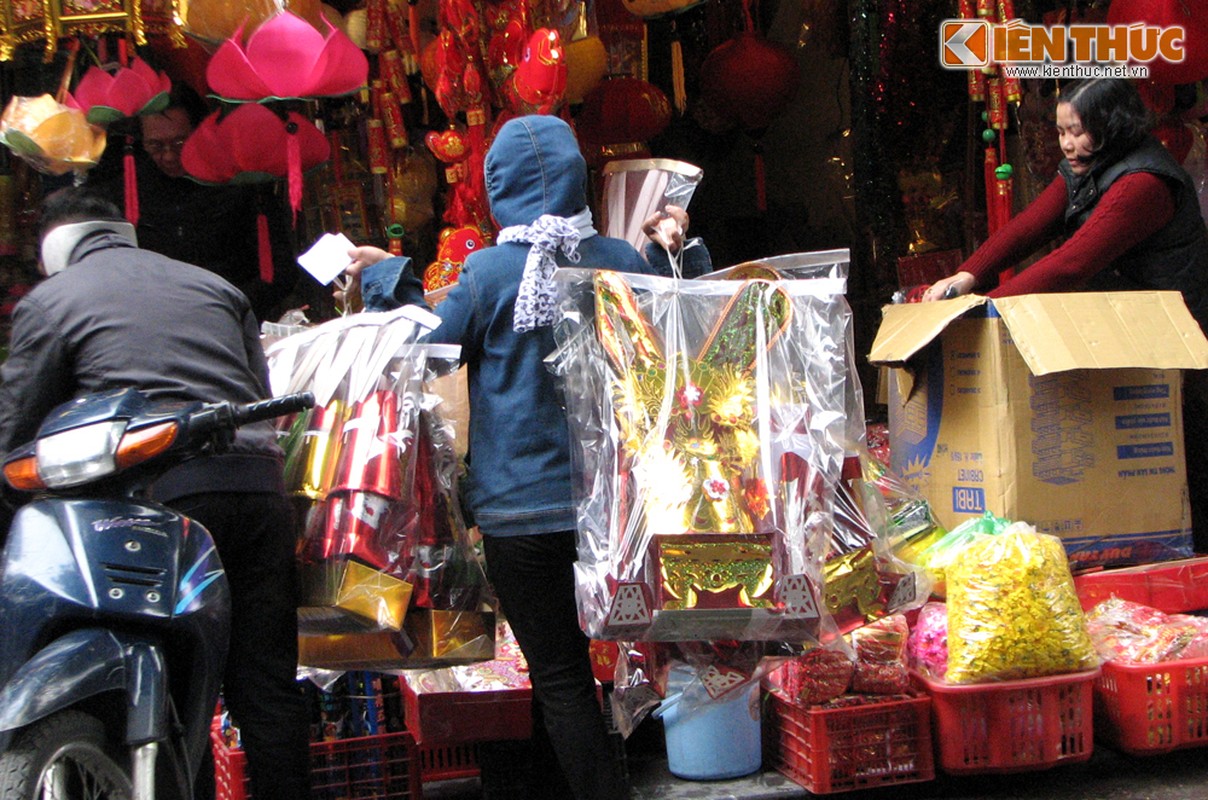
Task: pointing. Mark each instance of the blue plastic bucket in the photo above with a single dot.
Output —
(714, 740)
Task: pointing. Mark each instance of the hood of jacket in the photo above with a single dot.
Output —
(534, 167)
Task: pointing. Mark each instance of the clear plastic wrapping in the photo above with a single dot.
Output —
(710, 421)
(1013, 611)
(1132, 633)
(389, 574)
(881, 657)
(634, 189)
(927, 647)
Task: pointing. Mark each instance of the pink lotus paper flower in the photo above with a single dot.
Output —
(286, 58)
(130, 91)
(252, 144)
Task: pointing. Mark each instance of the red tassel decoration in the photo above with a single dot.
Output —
(293, 165)
(130, 182)
(264, 247)
(992, 204)
(761, 181)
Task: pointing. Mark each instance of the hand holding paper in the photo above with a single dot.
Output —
(327, 258)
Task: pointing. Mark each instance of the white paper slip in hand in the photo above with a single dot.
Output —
(327, 258)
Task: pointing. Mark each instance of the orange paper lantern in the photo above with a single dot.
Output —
(586, 66)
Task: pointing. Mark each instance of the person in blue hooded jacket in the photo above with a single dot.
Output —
(519, 478)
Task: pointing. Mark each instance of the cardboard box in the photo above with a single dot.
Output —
(465, 716)
(1061, 410)
(428, 639)
(343, 595)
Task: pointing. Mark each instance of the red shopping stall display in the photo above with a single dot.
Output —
(1012, 726)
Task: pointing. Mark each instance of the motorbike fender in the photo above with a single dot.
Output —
(79, 665)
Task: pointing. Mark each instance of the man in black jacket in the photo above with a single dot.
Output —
(216, 227)
(121, 317)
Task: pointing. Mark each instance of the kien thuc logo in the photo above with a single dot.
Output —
(978, 43)
(965, 43)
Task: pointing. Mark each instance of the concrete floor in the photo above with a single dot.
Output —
(1108, 775)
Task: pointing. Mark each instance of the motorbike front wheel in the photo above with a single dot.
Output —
(62, 757)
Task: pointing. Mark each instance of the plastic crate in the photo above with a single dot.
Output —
(1013, 726)
(829, 750)
(1170, 586)
(382, 767)
(1146, 709)
(442, 762)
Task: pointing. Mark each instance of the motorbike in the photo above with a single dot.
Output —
(114, 610)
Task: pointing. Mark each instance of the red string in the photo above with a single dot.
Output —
(265, 248)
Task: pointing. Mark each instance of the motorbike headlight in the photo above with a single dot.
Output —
(79, 455)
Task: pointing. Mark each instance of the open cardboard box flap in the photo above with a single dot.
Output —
(1059, 332)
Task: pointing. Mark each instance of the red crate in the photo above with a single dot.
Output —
(1145, 709)
(829, 750)
(384, 767)
(458, 717)
(1013, 726)
(1170, 586)
(442, 762)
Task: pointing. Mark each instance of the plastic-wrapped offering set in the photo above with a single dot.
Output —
(389, 576)
(709, 424)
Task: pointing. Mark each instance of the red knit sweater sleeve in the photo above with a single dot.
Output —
(1134, 208)
(1021, 236)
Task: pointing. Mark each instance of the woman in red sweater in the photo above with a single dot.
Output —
(1131, 219)
(1129, 212)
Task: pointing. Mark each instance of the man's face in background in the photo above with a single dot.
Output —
(163, 137)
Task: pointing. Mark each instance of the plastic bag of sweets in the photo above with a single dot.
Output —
(1013, 611)
(881, 657)
(936, 558)
(1132, 633)
(927, 647)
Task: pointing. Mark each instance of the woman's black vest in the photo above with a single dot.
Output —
(1175, 257)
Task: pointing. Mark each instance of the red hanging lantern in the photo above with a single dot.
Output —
(749, 80)
(129, 91)
(253, 144)
(285, 57)
(1175, 137)
(619, 116)
(1168, 14)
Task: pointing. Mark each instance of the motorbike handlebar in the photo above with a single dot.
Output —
(273, 407)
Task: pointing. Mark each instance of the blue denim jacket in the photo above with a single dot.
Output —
(519, 479)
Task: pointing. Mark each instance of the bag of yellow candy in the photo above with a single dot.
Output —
(936, 558)
(1013, 611)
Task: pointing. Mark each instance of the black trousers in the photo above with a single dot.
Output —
(533, 577)
(254, 534)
